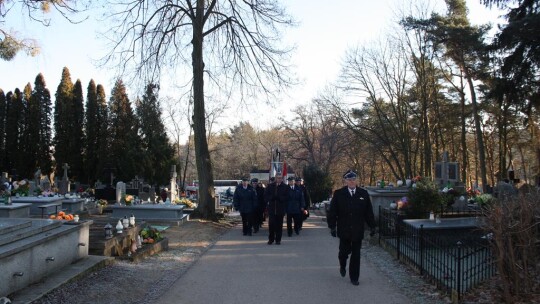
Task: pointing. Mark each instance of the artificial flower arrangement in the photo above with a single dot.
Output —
(185, 201)
(128, 199)
(102, 202)
(21, 188)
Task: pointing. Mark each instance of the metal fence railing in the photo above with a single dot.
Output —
(453, 259)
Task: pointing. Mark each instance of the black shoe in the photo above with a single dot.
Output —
(278, 243)
(245, 233)
(270, 242)
(297, 232)
(355, 283)
(249, 234)
(256, 230)
(342, 271)
(289, 234)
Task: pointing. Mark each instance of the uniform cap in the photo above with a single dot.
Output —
(254, 180)
(350, 175)
(290, 178)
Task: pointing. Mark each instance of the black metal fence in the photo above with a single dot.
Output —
(453, 259)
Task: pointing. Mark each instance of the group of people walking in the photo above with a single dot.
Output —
(350, 211)
(254, 202)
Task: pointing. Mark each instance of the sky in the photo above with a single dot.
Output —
(326, 30)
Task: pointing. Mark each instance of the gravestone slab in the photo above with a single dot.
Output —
(120, 191)
(150, 212)
(15, 210)
(73, 205)
(39, 201)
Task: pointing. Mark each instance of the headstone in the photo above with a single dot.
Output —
(135, 183)
(4, 178)
(64, 186)
(45, 183)
(446, 171)
(33, 188)
(173, 183)
(98, 185)
(120, 191)
(152, 194)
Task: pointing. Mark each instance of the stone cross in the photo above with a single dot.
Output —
(64, 183)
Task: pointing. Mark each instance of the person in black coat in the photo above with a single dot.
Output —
(276, 198)
(295, 207)
(350, 209)
(245, 201)
(259, 212)
(307, 199)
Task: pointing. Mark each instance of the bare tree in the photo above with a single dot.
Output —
(234, 42)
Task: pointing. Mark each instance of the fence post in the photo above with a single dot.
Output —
(458, 275)
(421, 240)
(380, 225)
(397, 224)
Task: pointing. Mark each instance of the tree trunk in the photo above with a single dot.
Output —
(464, 157)
(479, 135)
(206, 205)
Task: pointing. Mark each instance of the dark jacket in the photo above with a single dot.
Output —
(276, 199)
(260, 197)
(245, 200)
(295, 200)
(307, 198)
(350, 214)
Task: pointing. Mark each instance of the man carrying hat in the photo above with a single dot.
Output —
(350, 210)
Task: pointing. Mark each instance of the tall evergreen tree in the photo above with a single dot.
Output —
(3, 108)
(13, 130)
(123, 134)
(102, 123)
(30, 133)
(96, 131)
(157, 150)
(62, 120)
(41, 97)
(77, 133)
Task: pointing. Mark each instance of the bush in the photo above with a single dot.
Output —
(423, 199)
(318, 183)
(515, 225)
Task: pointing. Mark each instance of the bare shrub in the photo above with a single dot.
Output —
(515, 225)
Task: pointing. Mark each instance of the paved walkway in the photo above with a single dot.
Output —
(303, 269)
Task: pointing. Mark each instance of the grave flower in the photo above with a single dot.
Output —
(21, 188)
(128, 199)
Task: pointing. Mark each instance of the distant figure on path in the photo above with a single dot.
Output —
(350, 210)
(307, 199)
(245, 201)
(276, 199)
(259, 212)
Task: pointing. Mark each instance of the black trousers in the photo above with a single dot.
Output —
(259, 218)
(247, 222)
(346, 248)
(297, 218)
(275, 227)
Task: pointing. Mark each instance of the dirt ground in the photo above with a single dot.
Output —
(126, 282)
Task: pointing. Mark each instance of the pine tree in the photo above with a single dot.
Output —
(3, 108)
(62, 120)
(157, 151)
(41, 96)
(76, 155)
(123, 135)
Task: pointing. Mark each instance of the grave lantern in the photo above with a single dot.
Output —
(125, 222)
(132, 220)
(108, 231)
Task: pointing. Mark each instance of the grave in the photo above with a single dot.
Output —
(53, 203)
(384, 197)
(73, 205)
(32, 249)
(15, 210)
(64, 186)
(155, 212)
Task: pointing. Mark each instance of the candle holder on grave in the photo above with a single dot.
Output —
(108, 231)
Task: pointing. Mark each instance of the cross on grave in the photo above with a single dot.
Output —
(446, 171)
(64, 183)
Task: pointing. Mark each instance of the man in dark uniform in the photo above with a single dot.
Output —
(295, 207)
(276, 198)
(350, 210)
(245, 201)
(259, 212)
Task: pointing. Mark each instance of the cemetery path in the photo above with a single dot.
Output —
(303, 269)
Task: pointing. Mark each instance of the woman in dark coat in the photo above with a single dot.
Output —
(245, 201)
